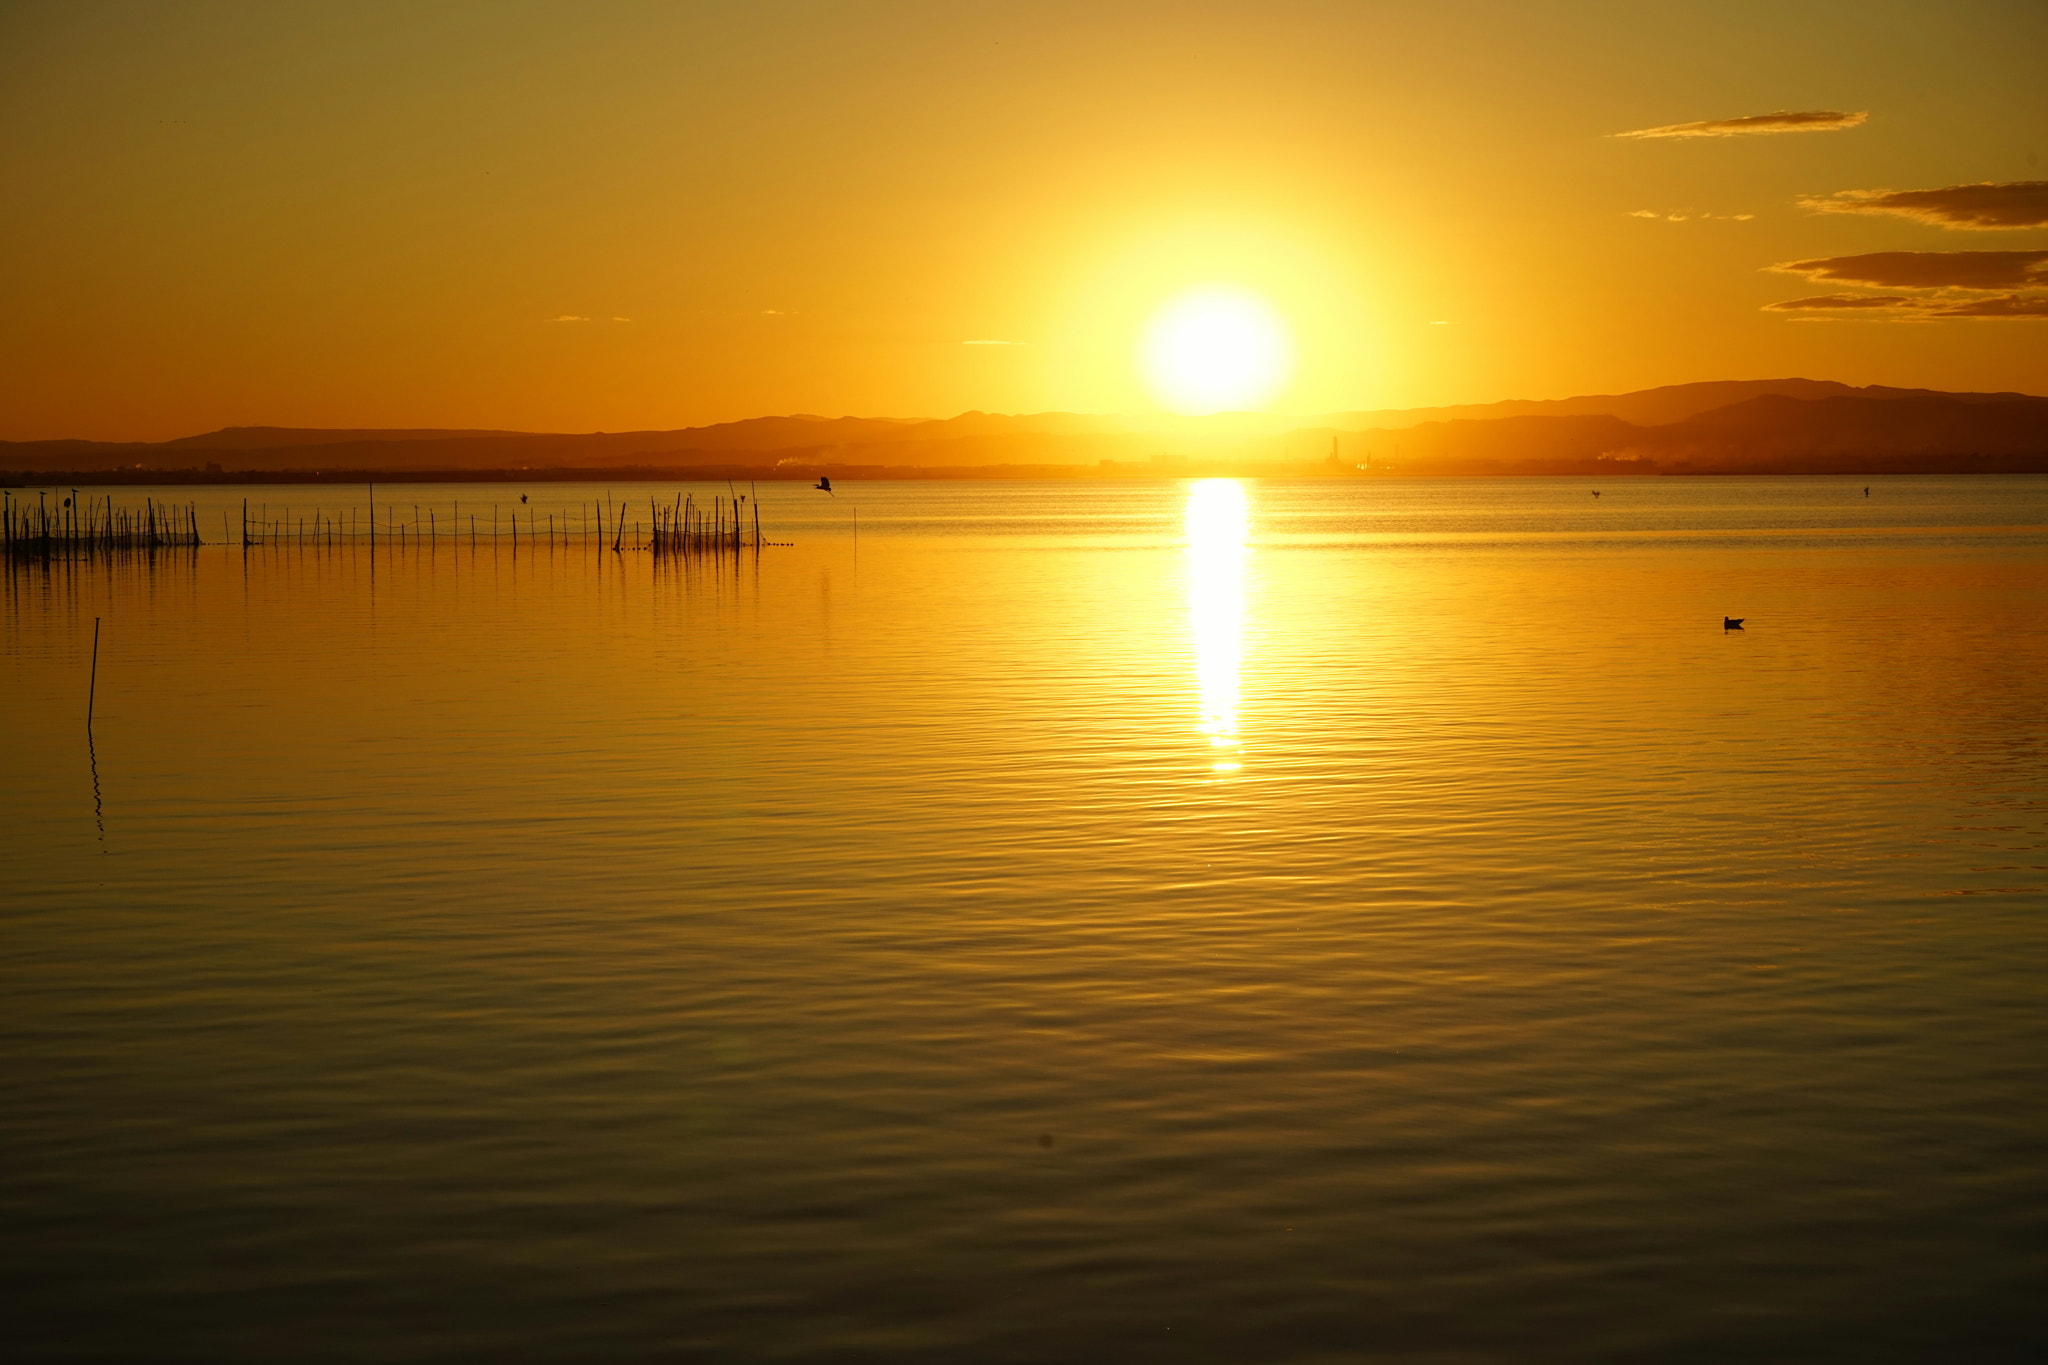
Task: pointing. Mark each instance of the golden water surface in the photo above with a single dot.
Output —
(1231, 921)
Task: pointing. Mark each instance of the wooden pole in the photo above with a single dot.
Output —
(92, 688)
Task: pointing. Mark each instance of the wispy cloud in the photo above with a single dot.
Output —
(1983, 207)
(1687, 215)
(1784, 121)
(1840, 302)
(993, 342)
(571, 317)
(1929, 269)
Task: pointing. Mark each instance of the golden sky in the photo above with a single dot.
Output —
(591, 216)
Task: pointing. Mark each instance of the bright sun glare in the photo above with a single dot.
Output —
(1218, 522)
(1215, 349)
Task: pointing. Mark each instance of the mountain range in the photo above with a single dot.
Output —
(1780, 425)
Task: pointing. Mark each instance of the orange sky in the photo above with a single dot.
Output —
(356, 214)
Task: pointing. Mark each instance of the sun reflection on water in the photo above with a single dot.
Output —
(1217, 518)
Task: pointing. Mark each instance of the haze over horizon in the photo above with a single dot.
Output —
(556, 219)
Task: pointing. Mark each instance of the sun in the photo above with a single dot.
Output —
(1215, 349)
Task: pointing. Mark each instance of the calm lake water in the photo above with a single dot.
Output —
(1373, 921)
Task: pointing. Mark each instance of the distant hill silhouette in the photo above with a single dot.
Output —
(1653, 407)
(284, 438)
(1767, 424)
(1894, 430)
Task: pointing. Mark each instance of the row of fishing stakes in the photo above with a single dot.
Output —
(594, 522)
(53, 529)
(724, 526)
(687, 528)
(75, 530)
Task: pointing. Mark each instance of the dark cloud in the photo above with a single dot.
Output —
(1929, 269)
(1982, 207)
(1784, 121)
(1936, 306)
(1829, 302)
(2003, 306)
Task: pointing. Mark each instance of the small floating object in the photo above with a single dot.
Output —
(824, 484)
(1732, 622)
(1596, 492)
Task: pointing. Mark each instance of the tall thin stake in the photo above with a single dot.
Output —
(92, 688)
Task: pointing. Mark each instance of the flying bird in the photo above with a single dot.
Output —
(1732, 622)
(824, 485)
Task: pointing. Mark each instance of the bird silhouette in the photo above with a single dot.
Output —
(1596, 492)
(824, 485)
(522, 497)
(1732, 622)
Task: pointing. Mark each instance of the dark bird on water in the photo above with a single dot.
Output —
(522, 497)
(1732, 622)
(1596, 492)
(824, 484)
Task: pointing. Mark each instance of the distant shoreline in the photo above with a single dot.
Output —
(1117, 473)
